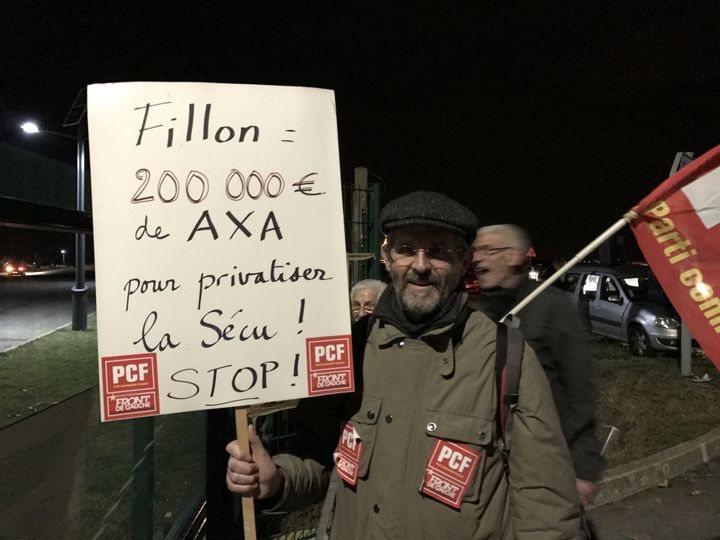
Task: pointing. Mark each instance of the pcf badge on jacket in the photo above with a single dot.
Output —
(450, 472)
(347, 457)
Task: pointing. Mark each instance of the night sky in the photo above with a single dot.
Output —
(558, 116)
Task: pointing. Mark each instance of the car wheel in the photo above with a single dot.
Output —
(639, 342)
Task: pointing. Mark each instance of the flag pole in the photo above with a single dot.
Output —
(619, 224)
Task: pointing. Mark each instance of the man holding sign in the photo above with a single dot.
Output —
(416, 444)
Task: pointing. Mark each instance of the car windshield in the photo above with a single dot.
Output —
(643, 288)
(636, 287)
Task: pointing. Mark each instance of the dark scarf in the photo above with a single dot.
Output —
(388, 310)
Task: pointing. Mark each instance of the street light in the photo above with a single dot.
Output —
(31, 128)
(79, 291)
(63, 252)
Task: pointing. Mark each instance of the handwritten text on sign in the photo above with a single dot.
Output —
(219, 246)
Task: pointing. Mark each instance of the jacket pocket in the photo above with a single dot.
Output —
(365, 423)
(470, 432)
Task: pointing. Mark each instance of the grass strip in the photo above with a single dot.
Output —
(650, 402)
(47, 370)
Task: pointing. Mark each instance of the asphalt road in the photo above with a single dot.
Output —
(32, 306)
(687, 508)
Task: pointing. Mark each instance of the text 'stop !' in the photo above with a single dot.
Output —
(219, 246)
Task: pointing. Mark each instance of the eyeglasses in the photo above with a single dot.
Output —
(486, 250)
(405, 253)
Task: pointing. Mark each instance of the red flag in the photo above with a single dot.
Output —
(679, 234)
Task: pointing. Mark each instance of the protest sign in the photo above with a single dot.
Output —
(219, 246)
(678, 231)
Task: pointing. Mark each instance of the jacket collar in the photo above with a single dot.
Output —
(443, 335)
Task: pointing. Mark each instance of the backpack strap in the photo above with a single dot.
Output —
(508, 362)
(500, 361)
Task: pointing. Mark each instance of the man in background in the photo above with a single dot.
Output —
(364, 296)
(552, 328)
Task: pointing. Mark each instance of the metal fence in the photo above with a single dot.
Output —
(361, 204)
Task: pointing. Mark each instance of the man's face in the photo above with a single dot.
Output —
(494, 261)
(363, 302)
(421, 281)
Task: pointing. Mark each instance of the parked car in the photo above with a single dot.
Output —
(624, 303)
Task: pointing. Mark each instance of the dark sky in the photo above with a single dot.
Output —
(558, 116)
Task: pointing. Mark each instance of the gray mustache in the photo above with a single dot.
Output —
(413, 277)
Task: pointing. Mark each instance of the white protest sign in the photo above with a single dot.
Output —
(219, 246)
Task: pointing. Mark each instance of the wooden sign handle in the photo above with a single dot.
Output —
(248, 504)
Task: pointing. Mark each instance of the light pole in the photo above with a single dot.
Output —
(79, 291)
(63, 252)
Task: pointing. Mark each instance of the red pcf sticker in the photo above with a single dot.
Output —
(130, 387)
(330, 365)
(450, 472)
(347, 457)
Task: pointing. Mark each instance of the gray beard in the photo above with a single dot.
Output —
(417, 309)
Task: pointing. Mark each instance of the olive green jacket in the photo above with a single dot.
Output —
(415, 392)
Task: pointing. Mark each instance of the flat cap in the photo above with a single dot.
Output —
(431, 209)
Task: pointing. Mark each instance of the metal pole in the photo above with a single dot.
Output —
(682, 159)
(79, 291)
(359, 199)
(143, 477)
(685, 350)
(374, 228)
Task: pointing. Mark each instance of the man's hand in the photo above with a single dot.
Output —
(252, 474)
(586, 491)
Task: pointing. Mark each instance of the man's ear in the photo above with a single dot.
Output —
(385, 252)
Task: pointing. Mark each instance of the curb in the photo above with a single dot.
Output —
(624, 480)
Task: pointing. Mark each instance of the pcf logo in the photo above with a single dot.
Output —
(130, 387)
(330, 365)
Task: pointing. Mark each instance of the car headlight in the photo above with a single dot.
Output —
(666, 322)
